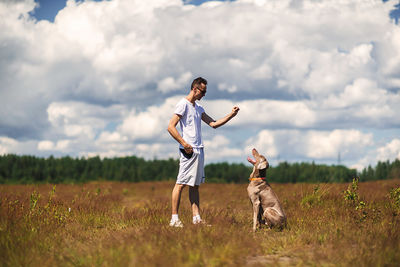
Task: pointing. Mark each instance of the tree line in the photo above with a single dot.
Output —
(31, 169)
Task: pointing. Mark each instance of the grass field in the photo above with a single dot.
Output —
(126, 224)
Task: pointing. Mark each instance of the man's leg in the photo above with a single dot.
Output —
(176, 197)
(194, 199)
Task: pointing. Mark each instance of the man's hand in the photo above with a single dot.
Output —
(235, 110)
(188, 148)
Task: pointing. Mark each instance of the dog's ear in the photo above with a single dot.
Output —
(262, 165)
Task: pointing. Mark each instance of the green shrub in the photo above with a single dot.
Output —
(312, 199)
(394, 196)
(352, 197)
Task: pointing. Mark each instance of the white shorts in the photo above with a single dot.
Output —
(191, 168)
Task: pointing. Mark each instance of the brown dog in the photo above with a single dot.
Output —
(266, 206)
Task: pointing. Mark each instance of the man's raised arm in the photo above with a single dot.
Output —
(215, 124)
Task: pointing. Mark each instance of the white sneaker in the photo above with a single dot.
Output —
(201, 222)
(176, 223)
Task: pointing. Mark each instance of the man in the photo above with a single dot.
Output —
(189, 114)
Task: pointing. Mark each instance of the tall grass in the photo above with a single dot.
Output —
(126, 224)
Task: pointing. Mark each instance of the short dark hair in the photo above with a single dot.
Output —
(198, 81)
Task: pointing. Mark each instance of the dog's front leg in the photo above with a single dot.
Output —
(256, 209)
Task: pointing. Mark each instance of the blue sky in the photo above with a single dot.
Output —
(313, 79)
(48, 9)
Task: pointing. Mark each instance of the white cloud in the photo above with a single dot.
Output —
(13, 146)
(329, 144)
(63, 144)
(360, 92)
(389, 53)
(45, 145)
(76, 119)
(265, 142)
(150, 123)
(95, 80)
(109, 138)
(219, 148)
(387, 151)
(7, 144)
(226, 87)
(141, 125)
(390, 151)
(316, 145)
(148, 151)
(333, 70)
(265, 112)
(170, 84)
(261, 72)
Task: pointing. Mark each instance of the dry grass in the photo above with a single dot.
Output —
(126, 224)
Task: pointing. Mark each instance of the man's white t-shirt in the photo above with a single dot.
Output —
(190, 122)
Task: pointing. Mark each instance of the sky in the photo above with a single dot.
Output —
(316, 81)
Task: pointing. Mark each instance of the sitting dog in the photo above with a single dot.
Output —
(266, 206)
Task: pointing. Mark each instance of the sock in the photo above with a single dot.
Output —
(174, 217)
(196, 218)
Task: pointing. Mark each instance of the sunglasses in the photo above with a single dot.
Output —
(203, 92)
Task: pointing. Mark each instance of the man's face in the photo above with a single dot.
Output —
(201, 90)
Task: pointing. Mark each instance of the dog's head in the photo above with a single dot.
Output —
(260, 164)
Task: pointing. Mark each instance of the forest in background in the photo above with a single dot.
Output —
(23, 169)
